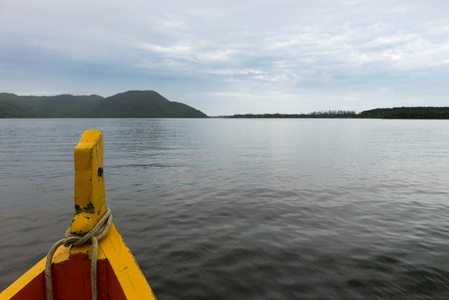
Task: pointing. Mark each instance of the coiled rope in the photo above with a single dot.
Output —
(93, 236)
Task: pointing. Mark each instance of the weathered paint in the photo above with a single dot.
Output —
(89, 182)
(118, 277)
(70, 278)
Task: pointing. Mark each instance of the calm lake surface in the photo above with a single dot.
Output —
(245, 209)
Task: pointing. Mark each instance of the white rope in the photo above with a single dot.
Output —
(93, 236)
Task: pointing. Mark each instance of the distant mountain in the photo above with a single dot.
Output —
(131, 104)
(141, 104)
(8, 110)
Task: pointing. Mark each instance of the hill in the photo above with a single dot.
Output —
(8, 110)
(141, 104)
(131, 104)
(407, 113)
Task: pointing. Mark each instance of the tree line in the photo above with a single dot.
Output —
(316, 114)
(407, 113)
(378, 113)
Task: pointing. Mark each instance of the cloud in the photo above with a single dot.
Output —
(317, 54)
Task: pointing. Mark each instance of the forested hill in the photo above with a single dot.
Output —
(131, 104)
(407, 113)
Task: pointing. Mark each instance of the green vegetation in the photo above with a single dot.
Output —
(131, 104)
(141, 104)
(320, 114)
(378, 113)
(8, 110)
(407, 113)
(150, 104)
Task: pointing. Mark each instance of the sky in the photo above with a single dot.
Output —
(232, 57)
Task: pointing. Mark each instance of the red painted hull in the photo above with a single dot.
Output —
(71, 280)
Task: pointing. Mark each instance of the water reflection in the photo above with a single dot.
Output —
(272, 209)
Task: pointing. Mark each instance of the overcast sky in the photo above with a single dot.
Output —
(228, 57)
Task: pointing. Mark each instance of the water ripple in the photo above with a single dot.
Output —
(245, 209)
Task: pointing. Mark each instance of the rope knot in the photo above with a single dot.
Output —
(99, 231)
(92, 236)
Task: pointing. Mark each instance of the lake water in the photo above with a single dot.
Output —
(245, 209)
